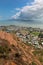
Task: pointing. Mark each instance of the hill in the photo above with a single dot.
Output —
(14, 52)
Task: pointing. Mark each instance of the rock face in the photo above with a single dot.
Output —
(19, 53)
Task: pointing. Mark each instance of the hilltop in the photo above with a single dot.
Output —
(14, 52)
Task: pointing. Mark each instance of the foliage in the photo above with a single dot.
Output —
(33, 63)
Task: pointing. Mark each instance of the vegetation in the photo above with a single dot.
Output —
(4, 51)
(39, 54)
(37, 51)
(35, 33)
(40, 35)
(17, 55)
(33, 63)
(41, 59)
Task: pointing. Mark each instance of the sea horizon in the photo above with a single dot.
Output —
(22, 24)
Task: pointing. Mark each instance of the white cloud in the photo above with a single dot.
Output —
(18, 9)
(16, 16)
(33, 11)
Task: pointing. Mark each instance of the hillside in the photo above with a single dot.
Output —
(14, 52)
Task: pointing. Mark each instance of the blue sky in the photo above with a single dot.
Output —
(8, 7)
(31, 10)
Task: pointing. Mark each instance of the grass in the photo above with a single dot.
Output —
(40, 59)
(35, 33)
(33, 63)
(39, 55)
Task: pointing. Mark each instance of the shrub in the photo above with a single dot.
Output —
(33, 63)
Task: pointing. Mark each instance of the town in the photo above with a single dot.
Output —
(28, 35)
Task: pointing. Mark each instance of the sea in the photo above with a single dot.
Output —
(22, 23)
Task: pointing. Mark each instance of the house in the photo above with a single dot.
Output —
(42, 43)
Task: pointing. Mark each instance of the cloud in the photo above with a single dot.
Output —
(31, 12)
(16, 16)
(18, 9)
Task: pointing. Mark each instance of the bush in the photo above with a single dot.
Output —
(17, 55)
(40, 59)
(33, 63)
(4, 49)
(1, 49)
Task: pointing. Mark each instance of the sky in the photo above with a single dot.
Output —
(31, 10)
(8, 7)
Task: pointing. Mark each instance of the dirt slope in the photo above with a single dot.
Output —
(7, 36)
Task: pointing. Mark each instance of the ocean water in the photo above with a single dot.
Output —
(22, 23)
